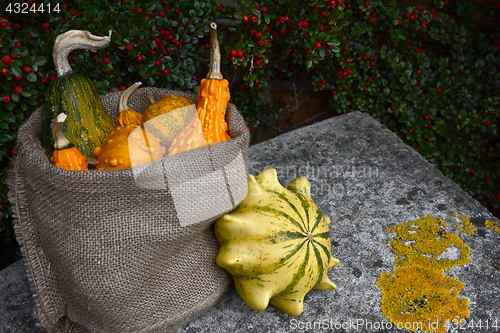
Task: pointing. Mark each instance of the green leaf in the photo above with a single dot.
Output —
(40, 61)
(14, 70)
(31, 77)
(15, 97)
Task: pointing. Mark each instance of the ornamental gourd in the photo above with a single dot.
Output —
(166, 118)
(276, 244)
(126, 116)
(213, 95)
(127, 147)
(75, 95)
(66, 155)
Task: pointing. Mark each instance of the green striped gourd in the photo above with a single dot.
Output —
(276, 244)
(87, 123)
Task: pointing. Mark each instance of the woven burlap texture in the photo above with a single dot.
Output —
(103, 253)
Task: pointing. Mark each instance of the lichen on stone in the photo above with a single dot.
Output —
(465, 226)
(493, 225)
(417, 294)
(426, 298)
(421, 243)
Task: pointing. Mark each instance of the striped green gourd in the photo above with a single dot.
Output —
(87, 123)
(276, 244)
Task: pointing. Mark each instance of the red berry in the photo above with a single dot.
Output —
(369, 79)
(419, 7)
(240, 53)
(487, 179)
(439, 90)
(139, 58)
(166, 71)
(472, 171)
(233, 53)
(106, 60)
(2, 208)
(6, 99)
(18, 89)
(346, 48)
(6, 59)
(152, 52)
(27, 69)
(317, 45)
(411, 130)
(17, 26)
(488, 123)
(258, 35)
(372, 63)
(419, 71)
(53, 77)
(320, 85)
(348, 61)
(44, 80)
(129, 47)
(430, 126)
(426, 117)
(365, 88)
(3, 25)
(253, 18)
(245, 18)
(371, 21)
(264, 10)
(138, 10)
(4, 71)
(367, 3)
(74, 12)
(334, 92)
(416, 148)
(162, 13)
(46, 26)
(177, 11)
(157, 62)
(365, 57)
(305, 23)
(498, 197)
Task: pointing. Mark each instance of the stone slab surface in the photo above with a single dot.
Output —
(365, 179)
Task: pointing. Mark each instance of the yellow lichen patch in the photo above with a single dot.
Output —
(465, 226)
(417, 294)
(493, 225)
(426, 298)
(420, 243)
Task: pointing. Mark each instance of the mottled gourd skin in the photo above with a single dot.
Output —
(69, 158)
(128, 117)
(125, 143)
(276, 244)
(166, 128)
(213, 96)
(87, 124)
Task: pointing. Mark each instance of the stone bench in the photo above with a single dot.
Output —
(365, 179)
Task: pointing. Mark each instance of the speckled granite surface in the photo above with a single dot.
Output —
(365, 179)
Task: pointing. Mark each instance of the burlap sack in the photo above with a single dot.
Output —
(104, 254)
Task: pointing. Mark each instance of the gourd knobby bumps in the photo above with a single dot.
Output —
(276, 244)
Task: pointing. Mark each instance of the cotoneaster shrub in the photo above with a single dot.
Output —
(429, 73)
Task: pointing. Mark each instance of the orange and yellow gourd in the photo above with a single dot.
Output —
(213, 95)
(66, 155)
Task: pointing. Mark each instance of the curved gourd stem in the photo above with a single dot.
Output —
(126, 94)
(73, 40)
(151, 99)
(60, 140)
(214, 72)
